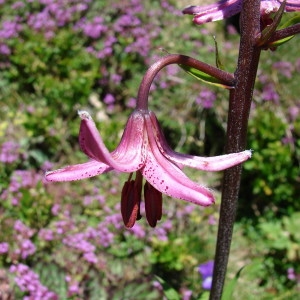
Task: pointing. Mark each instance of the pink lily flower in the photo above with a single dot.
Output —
(143, 149)
(224, 9)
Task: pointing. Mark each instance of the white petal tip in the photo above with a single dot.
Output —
(249, 153)
(45, 176)
(84, 115)
(48, 174)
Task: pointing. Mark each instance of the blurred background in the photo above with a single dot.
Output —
(67, 240)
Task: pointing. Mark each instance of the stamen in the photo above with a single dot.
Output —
(153, 204)
(130, 200)
(138, 185)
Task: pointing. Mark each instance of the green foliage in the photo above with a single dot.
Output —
(270, 176)
(59, 71)
(231, 285)
(291, 20)
(283, 235)
(169, 292)
(203, 76)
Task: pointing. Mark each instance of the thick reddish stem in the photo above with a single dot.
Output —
(239, 109)
(142, 99)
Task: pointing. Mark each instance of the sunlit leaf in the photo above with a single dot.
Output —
(231, 285)
(218, 60)
(204, 77)
(204, 296)
(292, 21)
(280, 42)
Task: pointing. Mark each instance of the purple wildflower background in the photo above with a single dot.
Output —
(67, 240)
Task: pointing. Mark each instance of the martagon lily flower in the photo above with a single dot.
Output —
(224, 9)
(144, 150)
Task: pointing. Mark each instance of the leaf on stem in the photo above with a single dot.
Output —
(292, 21)
(200, 75)
(218, 60)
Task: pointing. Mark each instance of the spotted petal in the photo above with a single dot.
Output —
(168, 178)
(214, 163)
(77, 172)
(128, 156)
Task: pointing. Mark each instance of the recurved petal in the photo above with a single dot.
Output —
(127, 157)
(214, 163)
(168, 178)
(209, 13)
(77, 172)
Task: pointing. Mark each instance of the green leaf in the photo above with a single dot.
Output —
(280, 42)
(292, 21)
(170, 293)
(229, 288)
(204, 296)
(204, 77)
(218, 60)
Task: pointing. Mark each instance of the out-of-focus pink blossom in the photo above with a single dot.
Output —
(4, 49)
(10, 151)
(28, 281)
(4, 247)
(26, 249)
(10, 29)
(294, 112)
(131, 103)
(284, 67)
(46, 234)
(24, 230)
(206, 98)
(109, 99)
(269, 93)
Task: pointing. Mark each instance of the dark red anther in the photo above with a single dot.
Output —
(130, 200)
(153, 204)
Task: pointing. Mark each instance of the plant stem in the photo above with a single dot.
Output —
(142, 98)
(286, 32)
(239, 109)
